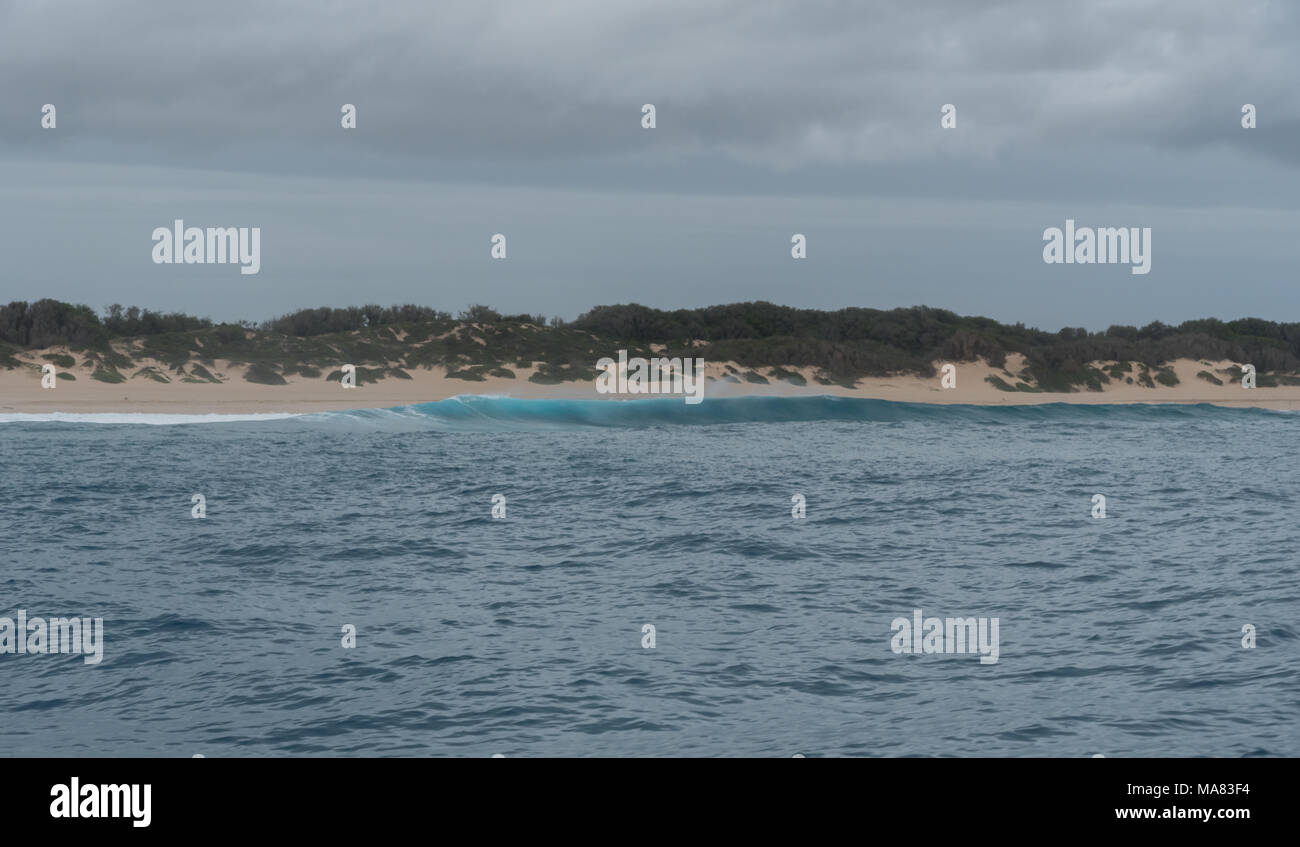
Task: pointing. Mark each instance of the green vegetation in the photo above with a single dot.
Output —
(1119, 370)
(838, 348)
(783, 375)
(107, 374)
(1209, 377)
(153, 373)
(263, 374)
(49, 323)
(198, 373)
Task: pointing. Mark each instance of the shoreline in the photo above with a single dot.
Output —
(21, 392)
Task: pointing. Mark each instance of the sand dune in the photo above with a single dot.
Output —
(20, 390)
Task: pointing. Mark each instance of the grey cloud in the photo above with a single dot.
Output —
(481, 116)
(771, 85)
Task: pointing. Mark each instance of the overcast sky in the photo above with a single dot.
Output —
(821, 118)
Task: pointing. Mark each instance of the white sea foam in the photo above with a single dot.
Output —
(149, 418)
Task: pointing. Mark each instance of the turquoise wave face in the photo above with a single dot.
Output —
(485, 413)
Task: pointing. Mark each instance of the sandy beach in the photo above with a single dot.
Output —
(21, 391)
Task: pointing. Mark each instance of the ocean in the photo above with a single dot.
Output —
(773, 635)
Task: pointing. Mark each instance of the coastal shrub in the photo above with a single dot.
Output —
(474, 374)
(325, 321)
(134, 322)
(1209, 377)
(263, 374)
(171, 349)
(111, 357)
(840, 346)
(153, 373)
(50, 323)
(201, 373)
(480, 314)
(784, 375)
(837, 379)
(107, 373)
(547, 374)
(229, 334)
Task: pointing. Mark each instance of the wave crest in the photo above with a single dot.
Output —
(488, 413)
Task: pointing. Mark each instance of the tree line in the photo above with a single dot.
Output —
(845, 343)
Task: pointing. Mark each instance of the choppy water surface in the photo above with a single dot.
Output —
(523, 636)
